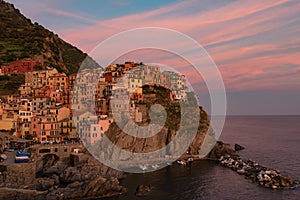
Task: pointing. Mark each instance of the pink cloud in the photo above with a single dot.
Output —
(68, 14)
(229, 32)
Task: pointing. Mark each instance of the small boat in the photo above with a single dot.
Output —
(3, 157)
(190, 159)
(21, 159)
(155, 166)
(169, 164)
(143, 167)
(181, 162)
(23, 154)
(9, 149)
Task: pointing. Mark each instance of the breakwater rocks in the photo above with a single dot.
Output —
(265, 177)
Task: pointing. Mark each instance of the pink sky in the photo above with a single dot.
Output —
(246, 40)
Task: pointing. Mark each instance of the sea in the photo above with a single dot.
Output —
(272, 141)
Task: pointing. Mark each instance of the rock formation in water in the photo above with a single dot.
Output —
(264, 176)
(238, 147)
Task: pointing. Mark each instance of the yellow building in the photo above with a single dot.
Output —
(68, 128)
(8, 121)
(58, 81)
(38, 79)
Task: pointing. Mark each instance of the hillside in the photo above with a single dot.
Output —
(20, 38)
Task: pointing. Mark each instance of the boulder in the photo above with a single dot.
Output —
(56, 168)
(101, 187)
(221, 149)
(97, 188)
(76, 184)
(43, 184)
(69, 175)
(238, 147)
(143, 190)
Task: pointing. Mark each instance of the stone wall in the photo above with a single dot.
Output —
(61, 150)
(17, 175)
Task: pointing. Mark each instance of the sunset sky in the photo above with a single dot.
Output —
(255, 44)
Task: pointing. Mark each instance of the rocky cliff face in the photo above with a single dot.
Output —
(20, 38)
(160, 96)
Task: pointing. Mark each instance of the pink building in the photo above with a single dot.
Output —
(45, 128)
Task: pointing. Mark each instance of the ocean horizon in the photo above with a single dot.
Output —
(269, 140)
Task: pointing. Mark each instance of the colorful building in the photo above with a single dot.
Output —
(22, 66)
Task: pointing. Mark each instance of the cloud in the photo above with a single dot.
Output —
(63, 13)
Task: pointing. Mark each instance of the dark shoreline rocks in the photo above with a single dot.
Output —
(238, 147)
(143, 190)
(97, 188)
(84, 178)
(221, 149)
(264, 176)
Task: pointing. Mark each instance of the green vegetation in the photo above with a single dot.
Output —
(20, 38)
(10, 84)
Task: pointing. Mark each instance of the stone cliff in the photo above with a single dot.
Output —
(160, 95)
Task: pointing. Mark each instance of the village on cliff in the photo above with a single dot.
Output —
(42, 109)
